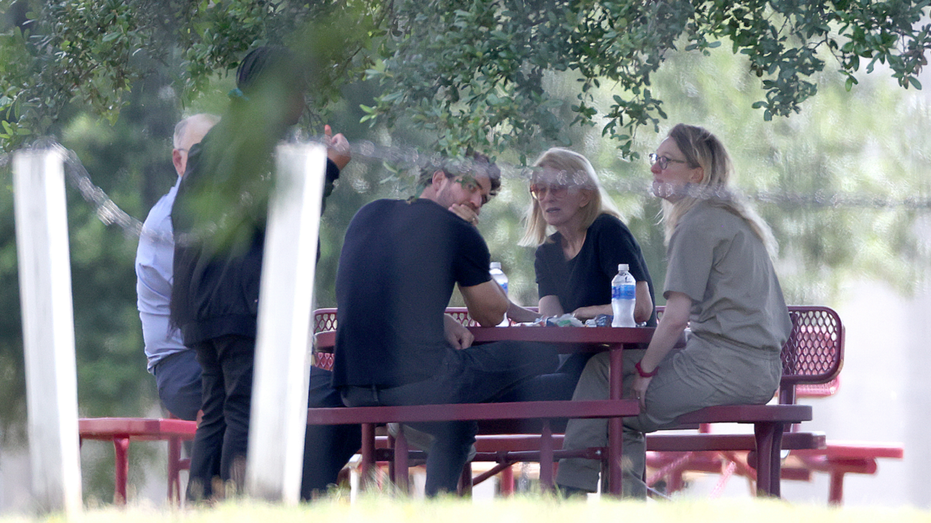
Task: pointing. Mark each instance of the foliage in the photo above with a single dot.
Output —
(837, 182)
(92, 52)
(472, 72)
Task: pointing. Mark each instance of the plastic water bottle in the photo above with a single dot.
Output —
(502, 280)
(623, 298)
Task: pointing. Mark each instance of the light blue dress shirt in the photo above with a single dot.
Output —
(154, 258)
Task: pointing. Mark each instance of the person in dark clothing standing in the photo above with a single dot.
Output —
(219, 220)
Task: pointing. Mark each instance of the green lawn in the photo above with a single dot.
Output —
(381, 508)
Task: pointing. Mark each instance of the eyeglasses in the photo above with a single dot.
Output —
(471, 185)
(663, 161)
(538, 190)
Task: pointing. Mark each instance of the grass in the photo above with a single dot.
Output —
(377, 508)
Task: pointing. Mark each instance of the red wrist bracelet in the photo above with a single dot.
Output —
(645, 374)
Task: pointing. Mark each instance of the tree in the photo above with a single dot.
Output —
(473, 72)
(94, 52)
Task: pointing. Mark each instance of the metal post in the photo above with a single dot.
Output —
(282, 363)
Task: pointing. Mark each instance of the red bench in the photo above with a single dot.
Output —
(121, 430)
(836, 458)
(817, 330)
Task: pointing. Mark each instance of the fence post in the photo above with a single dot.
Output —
(282, 363)
(48, 329)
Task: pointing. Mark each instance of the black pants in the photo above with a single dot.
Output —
(221, 441)
(327, 448)
(222, 438)
(478, 374)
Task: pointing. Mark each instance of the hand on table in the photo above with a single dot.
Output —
(586, 313)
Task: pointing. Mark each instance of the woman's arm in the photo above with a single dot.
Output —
(519, 314)
(675, 319)
(643, 308)
(584, 313)
(549, 306)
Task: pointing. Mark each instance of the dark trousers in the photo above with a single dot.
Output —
(478, 374)
(178, 379)
(221, 440)
(327, 448)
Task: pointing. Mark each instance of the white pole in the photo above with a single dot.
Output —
(48, 329)
(282, 363)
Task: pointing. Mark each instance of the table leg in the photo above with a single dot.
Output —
(392, 465)
(401, 468)
(506, 481)
(836, 494)
(174, 470)
(368, 454)
(546, 457)
(121, 469)
(767, 462)
(615, 425)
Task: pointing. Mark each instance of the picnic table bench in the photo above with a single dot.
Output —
(121, 430)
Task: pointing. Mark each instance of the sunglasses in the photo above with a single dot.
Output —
(539, 190)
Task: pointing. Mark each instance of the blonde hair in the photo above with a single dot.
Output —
(703, 149)
(572, 169)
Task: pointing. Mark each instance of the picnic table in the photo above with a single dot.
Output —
(805, 361)
(568, 340)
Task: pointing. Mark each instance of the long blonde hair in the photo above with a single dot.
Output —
(703, 149)
(574, 170)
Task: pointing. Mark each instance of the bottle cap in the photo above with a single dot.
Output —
(621, 267)
(495, 265)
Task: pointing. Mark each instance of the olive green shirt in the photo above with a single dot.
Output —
(715, 258)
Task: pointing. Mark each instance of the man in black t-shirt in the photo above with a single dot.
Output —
(394, 344)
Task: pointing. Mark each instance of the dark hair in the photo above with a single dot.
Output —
(267, 63)
(476, 164)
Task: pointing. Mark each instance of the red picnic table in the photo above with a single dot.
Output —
(567, 340)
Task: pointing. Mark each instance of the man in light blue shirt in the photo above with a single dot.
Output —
(176, 370)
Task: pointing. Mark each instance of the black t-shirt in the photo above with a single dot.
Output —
(399, 264)
(585, 280)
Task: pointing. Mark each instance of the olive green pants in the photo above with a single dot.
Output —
(701, 375)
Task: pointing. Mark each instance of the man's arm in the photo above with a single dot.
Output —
(456, 334)
(486, 302)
